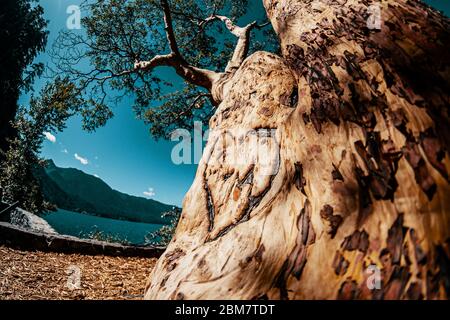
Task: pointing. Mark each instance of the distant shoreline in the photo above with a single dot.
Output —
(87, 226)
(102, 215)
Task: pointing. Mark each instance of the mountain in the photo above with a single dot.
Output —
(74, 190)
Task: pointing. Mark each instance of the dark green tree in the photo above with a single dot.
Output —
(22, 37)
(124, 41)
(47, 113)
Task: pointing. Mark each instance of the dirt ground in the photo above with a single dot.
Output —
(42, 275)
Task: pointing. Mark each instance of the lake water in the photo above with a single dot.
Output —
(79, 225)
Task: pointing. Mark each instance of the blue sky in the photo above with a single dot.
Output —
(123, 153)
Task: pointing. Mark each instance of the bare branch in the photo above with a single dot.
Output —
(168, 27)
(243, 35)
(197, 76)
(159, 60)
(234, 29)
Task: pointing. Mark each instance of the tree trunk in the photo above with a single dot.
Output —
(352, 178)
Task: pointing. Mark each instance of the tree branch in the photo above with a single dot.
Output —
(168, 27)
(197, 76)
(243, 35)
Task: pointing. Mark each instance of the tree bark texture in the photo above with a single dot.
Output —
(360, 180)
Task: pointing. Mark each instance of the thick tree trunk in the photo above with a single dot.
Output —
(354, 127)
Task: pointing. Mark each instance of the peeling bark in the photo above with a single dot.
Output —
(359, 118)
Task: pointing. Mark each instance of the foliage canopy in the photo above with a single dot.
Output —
(102, 59)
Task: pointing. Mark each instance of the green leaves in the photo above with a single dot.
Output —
(178, 110)
(47, 113)
(119, 32)
(164, 235)
(22, 36)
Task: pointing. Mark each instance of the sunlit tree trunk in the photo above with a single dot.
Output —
(352, 184)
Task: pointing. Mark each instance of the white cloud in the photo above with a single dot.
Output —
(83, 161)
(65, 151)
(149, 193)
(50, 137)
